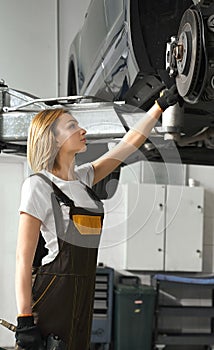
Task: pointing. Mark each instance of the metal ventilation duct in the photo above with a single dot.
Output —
(102, 120)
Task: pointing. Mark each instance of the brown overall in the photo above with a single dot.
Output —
(63, 291)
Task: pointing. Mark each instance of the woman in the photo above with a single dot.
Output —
(58, 202)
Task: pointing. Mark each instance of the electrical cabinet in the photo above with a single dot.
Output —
(134, 308)
(164, 227)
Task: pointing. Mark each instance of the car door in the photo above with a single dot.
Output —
(101, 28)
(93, 33)
(117, 58)
(113, 52)
(113, 10)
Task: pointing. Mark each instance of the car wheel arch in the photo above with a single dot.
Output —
(73, 88)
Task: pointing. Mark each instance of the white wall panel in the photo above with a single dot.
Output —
(12, 173)
(35, 41)
(28, 59)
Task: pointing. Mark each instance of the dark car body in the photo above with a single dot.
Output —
(118, 40)
(120, 54)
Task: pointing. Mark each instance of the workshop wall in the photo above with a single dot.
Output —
(13, 170)
(34, 53)
(35, 39)
(29, 59)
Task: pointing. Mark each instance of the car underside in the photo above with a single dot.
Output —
(176, 37)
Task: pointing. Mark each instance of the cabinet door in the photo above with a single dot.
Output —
(144, 226)
(184, 228)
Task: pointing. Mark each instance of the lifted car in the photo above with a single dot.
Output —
(123, 50)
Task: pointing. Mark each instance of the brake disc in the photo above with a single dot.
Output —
(190, 56)
(194, 53)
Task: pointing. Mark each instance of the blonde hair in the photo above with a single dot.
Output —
(41, 145)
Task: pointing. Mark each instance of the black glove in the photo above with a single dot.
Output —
(169, 98)
(28, 335)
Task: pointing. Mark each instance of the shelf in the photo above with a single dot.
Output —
(185, 339)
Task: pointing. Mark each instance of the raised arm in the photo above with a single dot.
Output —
(135, 137)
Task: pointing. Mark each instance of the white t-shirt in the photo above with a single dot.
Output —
(36, 201)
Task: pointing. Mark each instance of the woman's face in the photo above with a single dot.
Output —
(70, 136)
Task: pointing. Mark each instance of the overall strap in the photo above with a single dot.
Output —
(91, 192)
(59, 194)
(63, 197)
